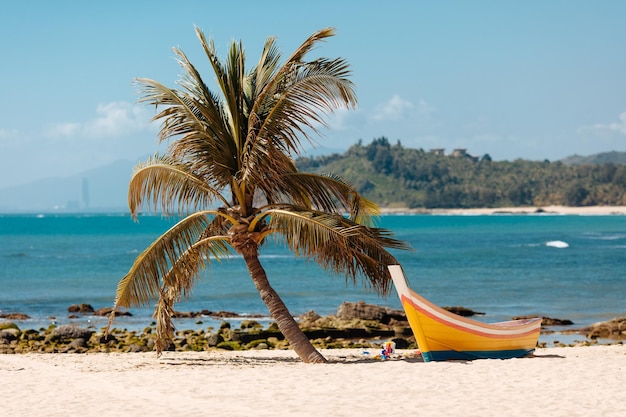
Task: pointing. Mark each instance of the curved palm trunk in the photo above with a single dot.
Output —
(285, 321)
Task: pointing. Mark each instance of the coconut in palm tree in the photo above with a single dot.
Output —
(230, 176)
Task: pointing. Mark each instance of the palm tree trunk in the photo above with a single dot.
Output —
(279, 312)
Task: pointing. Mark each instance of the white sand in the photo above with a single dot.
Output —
(554, 382)
(591, 210)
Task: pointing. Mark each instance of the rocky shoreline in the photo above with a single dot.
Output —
(356, 325)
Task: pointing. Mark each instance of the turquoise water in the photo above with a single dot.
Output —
(568, 267)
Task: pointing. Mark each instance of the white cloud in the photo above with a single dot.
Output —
(398, 109)
(619, 126)
(111, 131)
(423, 108)
(4, 134)
(339, 119)
(112, 120)
(398, 117)
(62, 130)
(394, 109)
(7, 135)
(402, 119)
(606, 128)
(11, 140)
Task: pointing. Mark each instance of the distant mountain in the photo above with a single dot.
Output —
(613, 157)
(100, 189)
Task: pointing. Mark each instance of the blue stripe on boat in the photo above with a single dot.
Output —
(447, 355)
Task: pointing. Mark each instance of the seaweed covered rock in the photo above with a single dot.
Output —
(547, 321)
(70, 331)
(250, 325)
(612, 329)
(14, 316)
(364, 311)
(80, 308)
(463, 311)
(8, 325)
(105, 311)
(550, 321)
(307, 319)
(10, 334)
(214, 339)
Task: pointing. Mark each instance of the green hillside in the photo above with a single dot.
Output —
(613, 157)
(395, 176)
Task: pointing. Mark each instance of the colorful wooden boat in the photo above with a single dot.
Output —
(442, 335)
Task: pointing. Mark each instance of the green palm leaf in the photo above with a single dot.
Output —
(326, 193)
(165, 329)
(163, 183)
(143, 281)
(339, 244)
(179, 281)
(204, 139)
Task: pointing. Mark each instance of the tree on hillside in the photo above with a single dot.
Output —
(233, 149)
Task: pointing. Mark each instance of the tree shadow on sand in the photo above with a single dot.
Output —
(263, 360)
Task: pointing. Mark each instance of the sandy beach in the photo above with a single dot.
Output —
(554, 381)
(572, 381)
(584, 211)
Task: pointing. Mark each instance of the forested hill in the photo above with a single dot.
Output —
(395, 176)
(600, 158)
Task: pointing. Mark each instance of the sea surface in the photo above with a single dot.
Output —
(561, 266)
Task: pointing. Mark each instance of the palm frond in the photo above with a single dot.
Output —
(179, 281)
(291, 106)
(290, 110)
(197, 123)
(230, 79)
(164, 183)
(181, 277)
(163, 313)
(326, 192)
(267, 66)
(309, 44)
(316, 89)
(220, 137)
(277, 80)
(180, 115)
(143, 281)
(210, 51)
(339, 244)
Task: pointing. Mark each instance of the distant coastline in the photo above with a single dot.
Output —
(584, 211)
(553, 209)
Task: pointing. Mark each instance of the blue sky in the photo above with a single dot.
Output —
(525, 79)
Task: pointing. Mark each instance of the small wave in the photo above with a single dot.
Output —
(286, 256)
(530, 245)
(608, 237)
(17, 255)
(557, 244)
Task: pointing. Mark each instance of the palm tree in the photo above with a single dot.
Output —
(234, 151)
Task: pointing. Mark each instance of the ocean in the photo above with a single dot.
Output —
(505, 265)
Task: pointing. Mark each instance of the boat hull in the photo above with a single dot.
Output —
(442, 335)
